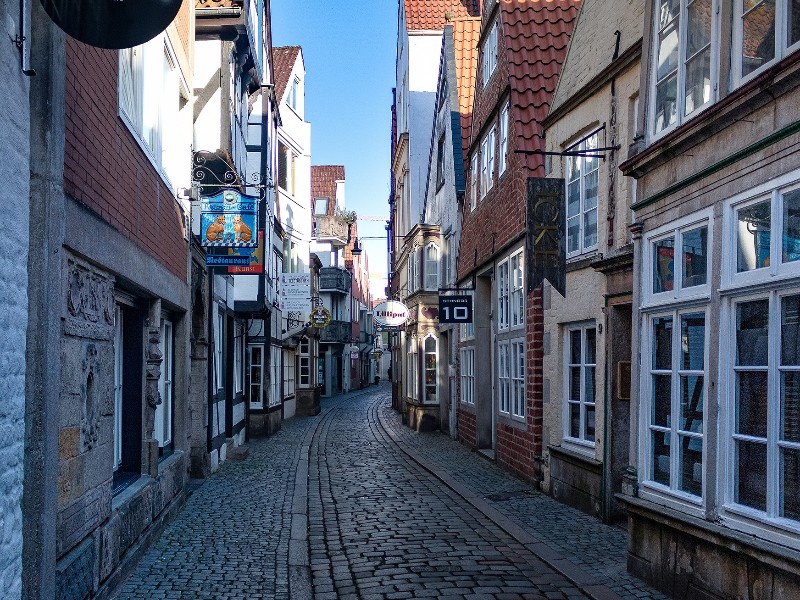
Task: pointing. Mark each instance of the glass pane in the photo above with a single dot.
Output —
(759, 36)
(661, 457)
(668, 50)
(575, 420)
(791, 225)
(698, 26)
(573, 231)
(790, 331)
(662, 398)
(590, 427)
(663, 265)
(752, 334)
(698, 81)
(666, 102)
(753, 227)
(575, 383)
(662, 343)
(573, 198)
(591, 337)
(668, 10)
(693, 333)
(692, 404)
(790, 406)
(589, 385)
(575, 347)
(691, 479)
(751, 467)
(790, 483)
(751, 403)
(794, 21)
(590, 186)
(695, 257)
(590, 228)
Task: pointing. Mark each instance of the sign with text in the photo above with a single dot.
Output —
(455, 309)
(255, 257)
(546, 240)
(229, 220)
(224, 260)
(295, 292)
(390, 313)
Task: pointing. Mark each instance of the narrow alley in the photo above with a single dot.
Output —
(332, 507)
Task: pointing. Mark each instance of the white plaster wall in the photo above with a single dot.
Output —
(14, 172)
(207, 134)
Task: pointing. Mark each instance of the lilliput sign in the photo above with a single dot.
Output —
(390, 313)
(229, 220)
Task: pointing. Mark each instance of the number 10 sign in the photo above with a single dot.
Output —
(455, 309)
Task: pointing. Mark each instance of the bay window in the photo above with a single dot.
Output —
(431, 267)
(411, 367)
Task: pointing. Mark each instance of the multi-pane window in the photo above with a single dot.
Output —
(684, 32)
(689, 275)
(474, 182)
(581, 363)
(503, 295)
(412, 367)
(765, 439)
(583, 177)
(504, 377)
(489, 57)
(304, 363)
(163, 418)
(256, 395)
(676, 391)
(286, 168)
(118, 383)
(764, 30)
(487, 162)
(431, 267)
(288, 373)
(518, 378)
(413, 272)
(517, 295)
(275, 379)
(430, 363)
(219, 347)
(503, 156)
(238, 361)
(447, 260)
(467, 370)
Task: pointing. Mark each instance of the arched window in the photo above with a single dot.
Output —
(431, 363)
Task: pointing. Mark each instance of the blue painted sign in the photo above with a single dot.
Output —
(229, 220)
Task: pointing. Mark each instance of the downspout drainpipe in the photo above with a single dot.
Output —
(210, 358)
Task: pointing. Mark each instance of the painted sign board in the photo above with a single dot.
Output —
(229, 220)
(390, 313)
(225, 260)
(320, 317)
(546, 240)
(255, 256)
(295, 292)
(455, 309)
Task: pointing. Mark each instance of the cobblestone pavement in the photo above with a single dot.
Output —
(332, 507)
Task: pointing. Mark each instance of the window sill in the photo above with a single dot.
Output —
(168, 461)
(572, 454)
(584, 260)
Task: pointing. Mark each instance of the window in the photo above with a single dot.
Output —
(503, 298)
(489, 58)
(150, 100)
(676, 391)
(304, 363)
(518, 378)
(583, 178)
(468, 375)
(447, 275)
(474, 182)
(238, 360)
(256, 388)
(685, 34)
(320, 206)
(579, 386)
(440, 163)
(411, 367)
(288, 373)
(291, 99)
(219, 351)
(670, 279)
(164, 411)
(487, 162)
(503, 141)
(504, 377)
(413, 268)
(286, 174)
(275, 378)
(431, 267)
(431, 373)
(517, 296)
(764, 31)
(118, 387)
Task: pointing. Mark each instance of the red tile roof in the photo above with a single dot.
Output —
(536, 34)
(323, 183)
(283, 60)
(466, 32)
(433, 15)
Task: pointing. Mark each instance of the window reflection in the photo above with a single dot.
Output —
(753, 232)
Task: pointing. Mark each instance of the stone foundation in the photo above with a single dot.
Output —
(422, 417)
(576, 480)
(308, 401)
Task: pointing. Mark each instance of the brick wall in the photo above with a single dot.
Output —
(466, 427)
(104, 166)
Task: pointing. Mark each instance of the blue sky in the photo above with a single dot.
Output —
(349, 52)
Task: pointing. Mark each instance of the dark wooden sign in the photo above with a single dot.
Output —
(546, 241)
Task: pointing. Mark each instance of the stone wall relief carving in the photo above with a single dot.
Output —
(90, 418)
(89, 297)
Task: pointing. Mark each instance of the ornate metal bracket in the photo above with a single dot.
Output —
(214, 169)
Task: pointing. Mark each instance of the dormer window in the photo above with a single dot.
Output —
(489, 60)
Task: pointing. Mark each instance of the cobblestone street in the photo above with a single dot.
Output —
(339, 506)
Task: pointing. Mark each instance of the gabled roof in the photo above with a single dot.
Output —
(433, 15)
(283, 60)
(323, 183)
(466, 33)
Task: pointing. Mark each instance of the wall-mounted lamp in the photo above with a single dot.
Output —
(357, 249)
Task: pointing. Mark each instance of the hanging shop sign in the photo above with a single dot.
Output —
(227, 261)
(546, 240)
(295, 292)
(390, 313)
(229, 220)
(455, 309)
(255, 258)
(320, 317)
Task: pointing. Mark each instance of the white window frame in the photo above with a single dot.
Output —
(581, 442)
(588, 143)
(675, 230)
(504, 294)
(504, 378)
(412, 367)
(516, 273)
(425, 398)
(680, 72)
(781, 40)
(474, 182)
(431, 267)
(118, 386)
(164, 411)
(518, 378)
(219, 347)
(256, 375)
(489, 54)
(447, 244)
(487, 162)
(304, 361)
(503, 155)
(294, 88)
(238, 360)
(275, 398)
(289, 381)
(467, 373)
